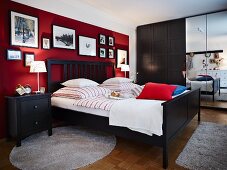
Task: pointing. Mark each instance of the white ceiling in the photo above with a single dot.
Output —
(138, 12)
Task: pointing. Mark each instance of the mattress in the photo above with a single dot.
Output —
(69, 104)
(203, 85)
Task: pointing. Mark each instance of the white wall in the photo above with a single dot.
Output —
(80, 11)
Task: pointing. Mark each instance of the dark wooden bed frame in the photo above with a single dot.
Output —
(177, 113)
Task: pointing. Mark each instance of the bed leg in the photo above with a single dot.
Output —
(199, 116)
(165, 156)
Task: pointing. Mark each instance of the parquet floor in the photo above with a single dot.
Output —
(132, 155)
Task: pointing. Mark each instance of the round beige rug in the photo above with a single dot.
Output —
(67, 148)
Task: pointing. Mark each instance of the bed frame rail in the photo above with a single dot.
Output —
(177, 113)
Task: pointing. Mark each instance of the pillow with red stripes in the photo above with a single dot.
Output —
(157, 91)
(80, 82)
(80, 93)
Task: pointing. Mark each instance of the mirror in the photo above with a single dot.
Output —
(206, 59)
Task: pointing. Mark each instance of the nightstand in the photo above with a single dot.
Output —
(29, 114)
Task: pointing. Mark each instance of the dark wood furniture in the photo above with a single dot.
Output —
(161, 51)
(177, 113)
(29, 114)
(216, 88)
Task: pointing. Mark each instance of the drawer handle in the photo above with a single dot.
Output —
(35, 107)
(36, 123)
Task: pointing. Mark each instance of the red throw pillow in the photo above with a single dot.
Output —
(157, 91)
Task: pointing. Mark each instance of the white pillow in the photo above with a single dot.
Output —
(117, 80)
(80, 82)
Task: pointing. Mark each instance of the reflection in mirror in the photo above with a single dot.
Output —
(206, 59)
(217, 62)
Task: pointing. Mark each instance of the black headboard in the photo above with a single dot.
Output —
(72, 69)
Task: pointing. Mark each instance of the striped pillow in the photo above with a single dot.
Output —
(80, 93)
(137, 90)
(119, 87)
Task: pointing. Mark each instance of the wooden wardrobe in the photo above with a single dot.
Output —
(161, 51)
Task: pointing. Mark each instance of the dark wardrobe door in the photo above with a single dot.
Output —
(176, 51)
(159, 53)
(144, 60)
(161, 50)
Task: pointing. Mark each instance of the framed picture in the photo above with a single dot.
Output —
(111, 41)
(14, 55)
(29, 57)
(87, 46)
(46, 43)
(121, 57)
(111, 53)
(102, 52)
(24, 30)
(64, 37)
(102, 39)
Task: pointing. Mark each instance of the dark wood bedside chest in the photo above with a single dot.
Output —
(29, 114)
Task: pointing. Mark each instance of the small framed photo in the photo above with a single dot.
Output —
(42, 90)
(64, 37)
(111, 53)
(46, 43)
(29, 57)
(14, 55)
(121, 57)
(111, 41)
(102, 52)
(102, 39)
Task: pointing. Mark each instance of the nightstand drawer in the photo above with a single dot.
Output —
(34, 106)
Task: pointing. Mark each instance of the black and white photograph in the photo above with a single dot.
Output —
(29, 57)
(121, 57)
(64, 37)
(14, 55)
(102, 39)
(102, 52)
(24, 30)
(46, 43)
(111, 41)
(87, 46)
(111, 53)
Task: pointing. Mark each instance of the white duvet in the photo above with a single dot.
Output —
(145, 116)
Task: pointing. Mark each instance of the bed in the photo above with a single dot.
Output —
(210, 87)
(177, 113)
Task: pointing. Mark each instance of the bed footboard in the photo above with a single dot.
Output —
(177, 113)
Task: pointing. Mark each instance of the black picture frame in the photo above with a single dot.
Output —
(111, 54)
(24, 30)
(28, 58)
(14, 54)
(111, 41)
(102, 52)
(63, 37)
(102, 39)
(87, 46)
(45, 43)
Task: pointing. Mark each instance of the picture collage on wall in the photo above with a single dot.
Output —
(25, 33)
(109, 41)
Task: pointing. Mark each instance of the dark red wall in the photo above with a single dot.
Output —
(14, 72)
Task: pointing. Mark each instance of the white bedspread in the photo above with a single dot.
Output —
(145, 116)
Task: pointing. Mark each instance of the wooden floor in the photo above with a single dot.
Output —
(132, 155)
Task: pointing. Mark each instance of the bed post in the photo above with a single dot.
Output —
(164, 141)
